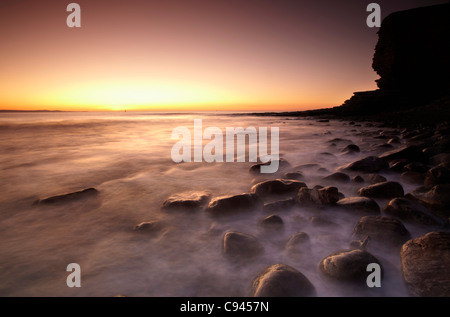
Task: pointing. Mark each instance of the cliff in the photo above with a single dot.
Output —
(412, 58)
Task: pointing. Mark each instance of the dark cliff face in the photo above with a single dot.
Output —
(412, 58)
(413, 50)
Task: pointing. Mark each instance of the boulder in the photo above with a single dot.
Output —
(351, 148)
(410, 210)
(370, 164)
(382, 190)
(186, 201)
(436, 176)
(276, 187)
(323, 196)
(293, 175)
(296, 242)
(282, 166)
(272, 222)
(338, 177)
(241, 246)
(229, 205)
(361, 205)
(383, 231)
(280, 280)
(347, 265)
(425, 263)
(412, 153)
(67, 198)
(412, 177)
(149, 227)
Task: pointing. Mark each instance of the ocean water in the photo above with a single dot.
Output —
(127, 158)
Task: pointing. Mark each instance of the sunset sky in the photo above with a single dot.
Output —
(273, 55)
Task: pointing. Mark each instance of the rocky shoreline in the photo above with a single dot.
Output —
(423, 160)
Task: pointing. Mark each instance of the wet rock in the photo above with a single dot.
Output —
(438, 195)
(384, 231)
(67, 198)
(276, 187)
(279, 205)
(293, 175)
(440, 159)
(347, 265)
(149, 227)
(280, 280)
(272, 222)
(229, 205)
(416, 167)
(186, 201)
(436, 176)
(296, 242)
(412, 153)
(425, 263)
(351, 148)
(362, 205)
(241, 246)
(358, 179)
(412, 177)
(320, 221)
(323, 196)
(409, 210)
(370, 164)
(375, 178)
(382, 190)
(399, 165)
(337, 177)
(282, 166)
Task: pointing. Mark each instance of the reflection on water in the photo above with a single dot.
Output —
(126, 156)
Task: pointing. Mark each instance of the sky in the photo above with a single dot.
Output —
(233, 55)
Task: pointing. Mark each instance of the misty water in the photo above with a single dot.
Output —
(127, 158)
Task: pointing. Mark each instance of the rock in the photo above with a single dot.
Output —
(296, 242)
(438, 196)
(279, 205)
(384, 231)
(67, 198)
(323, 196)
(375, 178)
(394, 140)
(351, 148)
(272, 222)
(293, 175)
(337, 177)
(276, 187)
(416, 167)
(320, 221)
(382, 190)
(229, 205)
(186, 201)
(280, 280)
(425, 263)
(347, 265)
(412, 177)
(241, 246)
(440, 158)
(399, 165)
(358, 179)
(149, 227)
(370, 164)
(409, 210)
(412, 153)
(362, 205)
(282, 166)
(436, 176)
